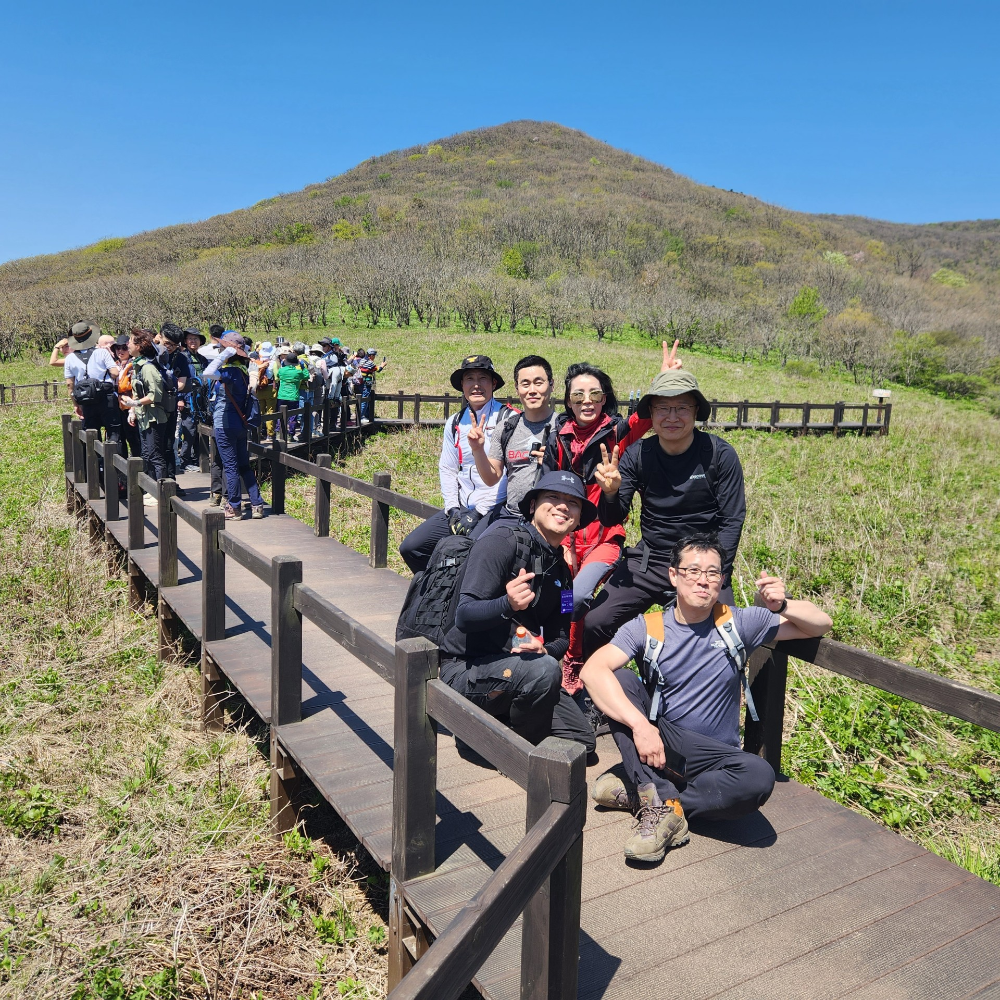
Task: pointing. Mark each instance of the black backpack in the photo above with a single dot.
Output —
(432, 598)
(169, 382)
(87, 389)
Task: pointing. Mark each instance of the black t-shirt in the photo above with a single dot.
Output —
(177, 362)
(678, 498)
(483, 598)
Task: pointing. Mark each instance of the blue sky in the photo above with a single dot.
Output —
(115, 117)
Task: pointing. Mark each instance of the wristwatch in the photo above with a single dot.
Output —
(781, 610)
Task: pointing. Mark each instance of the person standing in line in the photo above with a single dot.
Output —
(466, 497)
(128, 432)
(290, 376)
(173, 358)
(60, 352)
(191, 406)
(262, 383)
(230, 422)
(81, 343)
(334, 359)
(146, 403)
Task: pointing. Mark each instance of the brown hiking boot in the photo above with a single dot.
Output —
(658, 825)
(232, 514)
(215, 499)
(609, 791)
(258, 512)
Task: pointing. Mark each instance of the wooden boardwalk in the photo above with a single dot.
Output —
(805, 899)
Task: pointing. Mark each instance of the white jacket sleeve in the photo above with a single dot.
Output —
(448, 468)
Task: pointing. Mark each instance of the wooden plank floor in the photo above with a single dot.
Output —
(805, 899)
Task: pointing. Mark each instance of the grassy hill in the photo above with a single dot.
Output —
(531, 224)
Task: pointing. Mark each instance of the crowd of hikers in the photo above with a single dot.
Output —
(539, 628)
(149, 390)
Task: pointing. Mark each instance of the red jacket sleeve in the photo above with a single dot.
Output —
(637, 427)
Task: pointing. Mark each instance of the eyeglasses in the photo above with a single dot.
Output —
(587, 395)
(693, 573)
(666, 411)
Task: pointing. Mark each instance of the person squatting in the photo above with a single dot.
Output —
(540, 627)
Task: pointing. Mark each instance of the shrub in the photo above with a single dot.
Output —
(957, 385)
(952, 279)
(802, 369)
(836, 258)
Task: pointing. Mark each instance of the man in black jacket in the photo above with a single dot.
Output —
(689, 481)
(516, 576)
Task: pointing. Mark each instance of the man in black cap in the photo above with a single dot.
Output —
(689, 481)
(173, 359)
(466, 496)
(516, 577)
(191, 406)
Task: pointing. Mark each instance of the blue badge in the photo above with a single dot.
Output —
(566, 602)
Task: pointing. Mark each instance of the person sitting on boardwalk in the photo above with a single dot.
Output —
(689, 481)
(466, 496)
(516, 576)
(230, 423)
(677, 726)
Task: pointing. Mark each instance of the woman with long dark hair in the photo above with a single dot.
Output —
(230, 422)
(146, 405)
(590, 421)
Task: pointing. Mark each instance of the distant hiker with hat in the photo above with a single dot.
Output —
(689, 482)
(146, 402)
(333, 357)
(191, 406)
(364, 383)
(290, 377)
(466, 497)
(513, 614)
(262, 382)
(677, 722)
(80, 345)
(233, 416)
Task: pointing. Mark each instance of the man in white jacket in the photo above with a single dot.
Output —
(466, 496)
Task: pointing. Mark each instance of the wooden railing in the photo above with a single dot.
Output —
(542, 876)
(50, 392)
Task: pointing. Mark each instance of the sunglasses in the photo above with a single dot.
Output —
(588, 395)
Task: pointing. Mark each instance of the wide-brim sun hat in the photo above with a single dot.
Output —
(234, 340)
(193, 331)
(560, 482)
(83, 336)
(675, 382)
(472, 362)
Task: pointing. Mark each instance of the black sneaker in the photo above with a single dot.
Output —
(597, 719)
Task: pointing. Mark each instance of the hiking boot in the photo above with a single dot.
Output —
(609, 791)
(597, 719)
(232, 514)
(658, 825)
(215, 499)
(257, 512)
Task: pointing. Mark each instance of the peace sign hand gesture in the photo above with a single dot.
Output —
(477, 430)
(606, 472)
(670, 359)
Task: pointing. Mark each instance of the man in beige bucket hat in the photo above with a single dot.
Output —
(689, 481)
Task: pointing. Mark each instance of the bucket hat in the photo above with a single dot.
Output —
(234, 340)
(560, 482)
(475, 361)
(192, 331)
(676, 382)
(83, 336)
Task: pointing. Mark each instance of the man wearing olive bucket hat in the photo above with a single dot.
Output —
(689, 482)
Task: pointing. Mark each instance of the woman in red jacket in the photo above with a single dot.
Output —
(591, 420)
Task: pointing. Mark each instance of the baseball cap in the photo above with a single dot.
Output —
(560, 482)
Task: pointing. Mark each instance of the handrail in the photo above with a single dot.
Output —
(360, 641)
(249, 558)
(450, 963)
(147, 483)
(121, 463)
(187, 512)
(961, 701)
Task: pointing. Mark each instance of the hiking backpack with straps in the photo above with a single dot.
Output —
(169, 403)
(432, 598)
(725, 626)
(87, 389)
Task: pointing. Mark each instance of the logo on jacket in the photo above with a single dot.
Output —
(698, 475)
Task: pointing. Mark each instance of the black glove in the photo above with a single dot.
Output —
(462, 521)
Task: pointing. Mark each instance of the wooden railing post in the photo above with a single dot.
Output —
(93, 469)
(67, 420)
(111, 505)
(885, 421)
(416, 409)
(79, 453)
(806, 412)
(763, 738)
(378, 551)
(838, 416)
(550, 932)
(307, 427)
(213, 617)
(284, 422)
(136, 515)
(286, 685)
(775, 415)
(204, 453)
(414, 788)
(277, 476)
(166, 531)
(321, 508)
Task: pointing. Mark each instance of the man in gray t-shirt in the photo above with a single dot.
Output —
(682, 758)
(510, 448)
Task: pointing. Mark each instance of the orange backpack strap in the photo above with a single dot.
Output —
(651, 659)
(725, 625)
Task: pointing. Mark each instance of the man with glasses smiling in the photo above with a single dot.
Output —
(677, 726)
(689, 482)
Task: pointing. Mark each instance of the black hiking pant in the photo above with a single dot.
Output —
(524, 691)
(640, 580)
(712, 780)
(418, 545)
